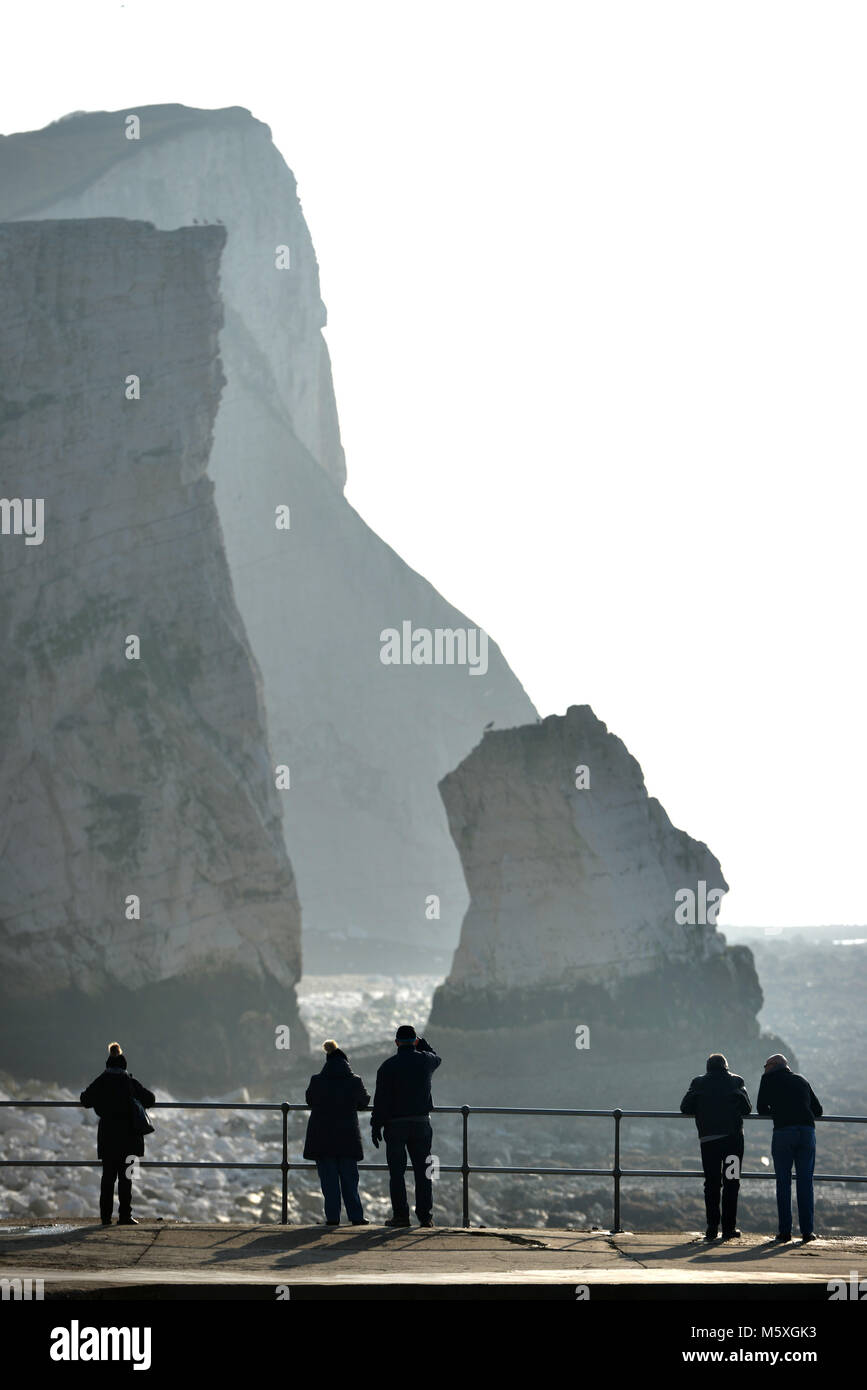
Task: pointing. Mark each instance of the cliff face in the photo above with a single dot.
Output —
(122, 778)
(587, 908)
(365, 742)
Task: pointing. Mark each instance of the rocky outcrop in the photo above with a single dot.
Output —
(365, 742)
(145, 890)
(588, 910)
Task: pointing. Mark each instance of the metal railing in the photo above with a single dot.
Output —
(615, 1173)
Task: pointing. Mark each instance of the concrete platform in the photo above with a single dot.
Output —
(177, 1260)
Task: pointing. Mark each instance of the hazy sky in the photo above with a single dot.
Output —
(597, 294)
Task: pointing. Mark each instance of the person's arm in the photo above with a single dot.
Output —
(377, 1117)
(90, 1096)
(142, 1093)
(433, 1061)
(763, 1105)
(814, 1104)
(362, 1098)
(688, 1104)
(742, 1099)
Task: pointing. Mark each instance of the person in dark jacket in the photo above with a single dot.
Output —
(789, 1099)
(718, 1101)
(111, 1095)
(401, 1110)
(335, 1096)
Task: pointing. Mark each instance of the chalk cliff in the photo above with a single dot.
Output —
(588, 908)
(123, 778)
(365, 743)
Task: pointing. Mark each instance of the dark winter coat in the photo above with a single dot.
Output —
(335, 1096)
(403, 1084)
(718, 1101)
(110, 1095)
(788, 1098)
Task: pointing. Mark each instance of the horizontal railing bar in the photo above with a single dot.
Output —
(167, 1104)
(142, 1163)
(676, 1115)
(444, 1168)
(436, 1109)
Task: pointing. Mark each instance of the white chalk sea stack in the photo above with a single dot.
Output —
(145, 889)
(588, 909)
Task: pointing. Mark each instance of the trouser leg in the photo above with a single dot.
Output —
(805, 1163)
(124, 1187)
(395, 1154)
(329, 1181)
(731, 1174)
(711, 1162)
(349, 1186)
(106, 1187)
(419, 1144)
(781, 1152)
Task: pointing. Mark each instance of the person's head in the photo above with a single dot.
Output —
(778, 1060)
(115, 1057)
(405, 1036)
(330, 1048)
(717, 1062)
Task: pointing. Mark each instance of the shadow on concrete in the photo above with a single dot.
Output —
(324, 1245)
(715, 1253)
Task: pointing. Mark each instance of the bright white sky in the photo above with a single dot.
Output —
(597, 292)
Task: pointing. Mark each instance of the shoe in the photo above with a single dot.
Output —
(711, 1233)
(811, 1235)
(428, 1221)
(126, 1221)
(362, 1222)
(782, 1238)
(332, 1223)
(732, 1235)
(397, 1221)
(106, 1221)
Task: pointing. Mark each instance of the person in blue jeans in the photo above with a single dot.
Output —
(335, 1096)
(791, 1102)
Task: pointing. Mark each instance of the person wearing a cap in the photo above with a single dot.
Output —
(401, 1114)
(118, 1141)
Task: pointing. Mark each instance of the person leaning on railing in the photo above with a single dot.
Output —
(791, 1102)
(718, 1101)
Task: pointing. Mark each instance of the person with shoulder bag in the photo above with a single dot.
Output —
(120, 1102)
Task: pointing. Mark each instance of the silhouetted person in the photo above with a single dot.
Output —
(111, 1095)
(789, 1099)
(401, 1110)
(718, 1101)
(335, 1096)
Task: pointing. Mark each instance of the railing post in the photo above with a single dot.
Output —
(465, 1165)
(618, 1115)
(284, 1210)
